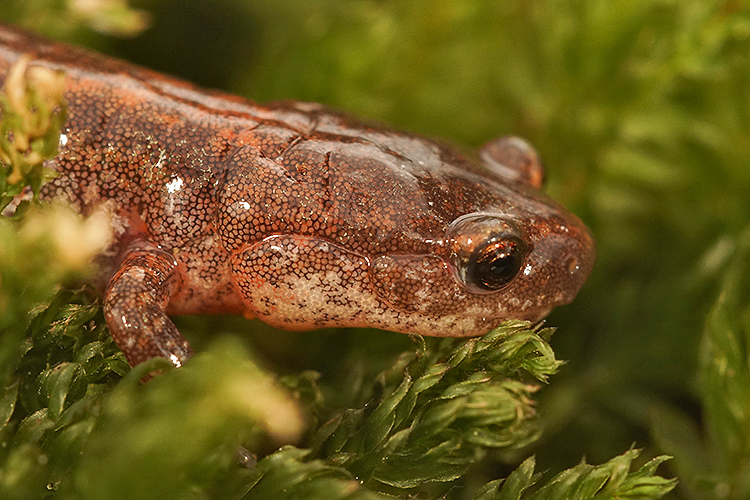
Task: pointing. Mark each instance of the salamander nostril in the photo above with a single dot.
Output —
(572, 265)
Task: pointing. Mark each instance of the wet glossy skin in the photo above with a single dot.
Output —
(296, 214)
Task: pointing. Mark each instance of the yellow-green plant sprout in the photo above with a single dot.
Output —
(32, 112)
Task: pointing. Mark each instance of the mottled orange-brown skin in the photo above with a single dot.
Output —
(290, 212)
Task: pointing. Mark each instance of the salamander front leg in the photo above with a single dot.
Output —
(134, 305)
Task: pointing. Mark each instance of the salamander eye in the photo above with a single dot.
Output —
(496, 263)
(486, 251)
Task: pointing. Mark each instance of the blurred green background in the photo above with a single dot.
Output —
(640, 110)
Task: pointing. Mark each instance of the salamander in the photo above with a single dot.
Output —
(296, 214)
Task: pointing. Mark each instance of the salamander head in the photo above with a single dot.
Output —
(413, 238)
(517, 254)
